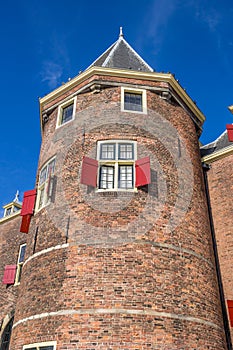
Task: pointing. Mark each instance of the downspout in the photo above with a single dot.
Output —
(205, 168)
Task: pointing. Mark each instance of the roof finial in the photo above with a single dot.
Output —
(16, 196)
(121, 33)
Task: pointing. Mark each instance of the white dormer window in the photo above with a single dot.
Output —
(66, 112)
(133, 100)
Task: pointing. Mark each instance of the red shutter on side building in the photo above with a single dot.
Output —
(25, 223)
(142, 167)
(230, 311)
(9, 274)
(89, 172)
(230, 132)
(28, 202)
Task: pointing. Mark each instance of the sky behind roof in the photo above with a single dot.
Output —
(44, 43)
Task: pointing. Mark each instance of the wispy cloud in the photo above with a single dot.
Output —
(51, 73)
(208, 15)
(158, 18)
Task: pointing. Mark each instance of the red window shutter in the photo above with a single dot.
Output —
(230, 311)
(28, 202)
(230, 132)
(89, 172)
(25, 223)
(9, 274)
(142, 167)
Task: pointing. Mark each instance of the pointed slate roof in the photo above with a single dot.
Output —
(121, 55)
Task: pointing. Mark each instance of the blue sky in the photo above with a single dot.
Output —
(46, 42)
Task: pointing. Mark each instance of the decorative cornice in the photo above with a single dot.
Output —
(9, 217)
(124, 73)
(224, 152)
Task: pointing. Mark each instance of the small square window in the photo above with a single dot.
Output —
(66, 112)
(133, 100)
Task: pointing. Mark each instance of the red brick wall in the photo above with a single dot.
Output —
(220, 179)
(125, 281)
(10, 240)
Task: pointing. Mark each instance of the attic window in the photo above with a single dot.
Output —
(66, 112)
(133, 100)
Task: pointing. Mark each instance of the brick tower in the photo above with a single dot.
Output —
(119, 252)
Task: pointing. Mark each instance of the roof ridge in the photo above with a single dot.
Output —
(116, 44)
(109, 48)
(214, 142)
(136, 54)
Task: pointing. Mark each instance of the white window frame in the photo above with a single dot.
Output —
(39, 345)
(116, 163)
(19, 265)
(133, 91)
(60, 111)
(43, 186)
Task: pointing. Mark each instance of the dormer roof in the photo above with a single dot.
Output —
(121, 55)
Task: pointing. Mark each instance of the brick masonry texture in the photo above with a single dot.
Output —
(10, 241)
(115, 261)
(220, 179)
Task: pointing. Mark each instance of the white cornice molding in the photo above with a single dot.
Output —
(224, 152)
(9, 217)
(124, 73)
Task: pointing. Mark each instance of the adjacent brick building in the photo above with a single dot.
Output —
(116, 249)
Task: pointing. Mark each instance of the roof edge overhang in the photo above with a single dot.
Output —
(123, 73)
(222, 153)
(9, 217)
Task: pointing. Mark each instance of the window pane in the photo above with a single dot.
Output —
(22, 253)
(125, 151)
(125, 176)
(8, 211)
(43, 174)
(15, 209)
(46, 347)
(107, 151)
(51, 167)
(133, 102)
(67, 113)
(107, 177)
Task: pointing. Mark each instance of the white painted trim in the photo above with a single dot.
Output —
(136, 91)
(60, 109)
(38, 345)
(116, 311)
(43, 186)
(17, 281)
(115, 163)
(224, 152)
(45, 251)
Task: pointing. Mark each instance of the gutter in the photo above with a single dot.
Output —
(205, 168)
